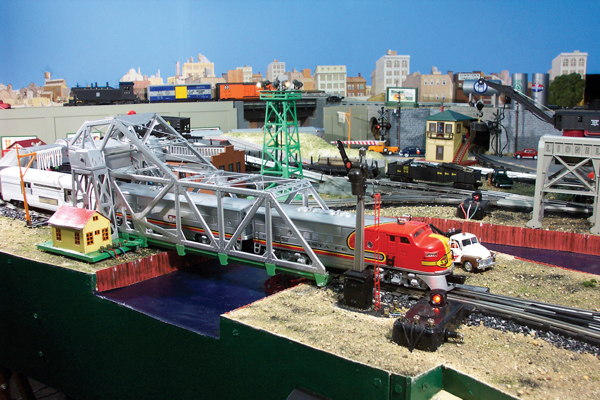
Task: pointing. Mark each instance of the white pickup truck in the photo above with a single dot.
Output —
(468, 252)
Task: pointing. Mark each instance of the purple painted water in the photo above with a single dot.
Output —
(194, 300)
(564, 259)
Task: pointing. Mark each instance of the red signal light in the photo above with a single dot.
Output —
(437, 298)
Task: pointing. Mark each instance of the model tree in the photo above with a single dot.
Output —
(567, 90)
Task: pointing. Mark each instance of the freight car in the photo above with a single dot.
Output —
(96, 95)
(237, 91)
(172, 93)
(409, 252)
(461, 177)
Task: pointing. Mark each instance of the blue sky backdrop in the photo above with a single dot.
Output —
(89, 41)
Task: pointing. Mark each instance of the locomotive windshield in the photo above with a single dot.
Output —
(417, 233)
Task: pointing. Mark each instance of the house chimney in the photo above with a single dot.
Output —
(359, 74)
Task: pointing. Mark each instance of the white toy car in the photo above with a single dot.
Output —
(470, 253)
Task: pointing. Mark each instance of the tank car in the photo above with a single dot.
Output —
(409, 252)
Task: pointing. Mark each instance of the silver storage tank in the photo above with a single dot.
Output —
(540, 84)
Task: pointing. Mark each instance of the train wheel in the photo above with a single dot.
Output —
(468, 266)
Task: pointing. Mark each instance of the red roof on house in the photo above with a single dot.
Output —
(26, 143)
(72, 217)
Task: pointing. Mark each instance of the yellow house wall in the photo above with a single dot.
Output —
(93, 226)
(67, 241)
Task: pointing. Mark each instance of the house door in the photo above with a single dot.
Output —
(439, 153)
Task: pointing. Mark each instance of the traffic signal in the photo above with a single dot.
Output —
(387, 126)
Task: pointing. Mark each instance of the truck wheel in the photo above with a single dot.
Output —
(406, 155)
(390, 153)
(497, 185)
(468, 266)
(385, 150)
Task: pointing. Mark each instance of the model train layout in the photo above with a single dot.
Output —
(239, 221)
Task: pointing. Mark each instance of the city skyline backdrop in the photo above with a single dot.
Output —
(92, 41)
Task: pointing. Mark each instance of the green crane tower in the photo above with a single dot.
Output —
(281, 140)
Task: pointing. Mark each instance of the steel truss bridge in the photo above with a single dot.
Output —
(133, 149)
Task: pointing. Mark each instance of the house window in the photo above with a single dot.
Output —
(432, 127)
(388, 63)
(458, 126)
(448, 128)
(95, 218)
(404, 63)
(238, 165)
(58, 235)
(565, 63)
(388, 73)
(573, 62)
(89, 237)
(443, 82)
(77, 240)
(396, 63)
(230, 167)
(104, 234)
(437, 82)
(581, 62)
(97, 232)
(425, 82)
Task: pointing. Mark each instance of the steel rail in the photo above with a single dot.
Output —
(574, 322)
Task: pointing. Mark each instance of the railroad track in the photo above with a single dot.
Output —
(583, 325)
(397, 193)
